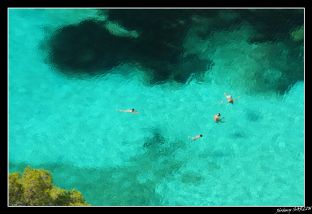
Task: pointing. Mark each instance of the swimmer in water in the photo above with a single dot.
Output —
(229, 98)
(197, 137)
(217, 118)
(132, 111)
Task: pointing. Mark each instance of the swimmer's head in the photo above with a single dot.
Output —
(218, 114)
(200, 135)
(132, 110)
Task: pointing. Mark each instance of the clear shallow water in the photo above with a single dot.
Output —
(71, 127)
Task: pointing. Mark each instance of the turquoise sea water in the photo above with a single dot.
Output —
(72, 128)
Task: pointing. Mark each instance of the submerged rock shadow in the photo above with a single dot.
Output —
(132, 184)
(252, 115)
(89, 48)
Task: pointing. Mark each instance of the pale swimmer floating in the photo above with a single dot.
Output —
(132, 111)
(196, 137)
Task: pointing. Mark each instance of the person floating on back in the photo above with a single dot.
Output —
(217, 118)
(132, 111)
(197, 137)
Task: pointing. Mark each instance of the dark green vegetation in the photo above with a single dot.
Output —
(35, 188)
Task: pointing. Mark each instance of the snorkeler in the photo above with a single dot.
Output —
(217, 118)
(132, 111)
(197, 137)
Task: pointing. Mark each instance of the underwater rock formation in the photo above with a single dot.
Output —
(298, 34)
(272, 26)
(155, 41)
(90, 48)
(86, 48)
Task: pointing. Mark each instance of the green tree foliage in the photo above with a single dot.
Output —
(35, 188)
(15, 189)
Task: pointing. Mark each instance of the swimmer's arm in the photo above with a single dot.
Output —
(236, 98)
(221, 102)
